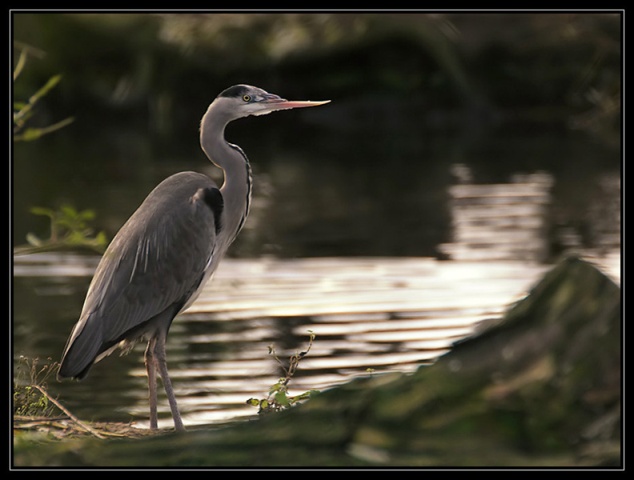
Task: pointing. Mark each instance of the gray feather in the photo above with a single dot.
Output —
(153, 265)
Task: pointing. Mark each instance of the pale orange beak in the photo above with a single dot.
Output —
(273, 103)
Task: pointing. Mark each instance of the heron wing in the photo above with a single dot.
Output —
(155, 263)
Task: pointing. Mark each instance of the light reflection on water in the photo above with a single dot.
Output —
(218, 358)
(369, 315)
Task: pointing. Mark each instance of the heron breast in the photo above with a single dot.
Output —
(212, 197)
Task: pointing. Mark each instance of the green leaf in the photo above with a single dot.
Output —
(75, 239)
(303, 396)
(54, 80)
(87, 215)
(69, 211)
(48, 212)
(34, 133)
(101, 240)
(33, 240)
(29, 135)
(282, 399)
(20, 64)
(274, 388)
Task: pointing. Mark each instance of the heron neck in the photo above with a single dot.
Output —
(236, 189)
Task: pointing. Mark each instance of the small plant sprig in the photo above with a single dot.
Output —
(278, 398)
(23, 110)
(31, 400)
(28, 398)
(69, 226)
(69, 229)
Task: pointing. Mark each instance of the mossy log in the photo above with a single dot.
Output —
(540, 388)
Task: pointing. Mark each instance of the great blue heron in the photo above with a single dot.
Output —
(159, 261)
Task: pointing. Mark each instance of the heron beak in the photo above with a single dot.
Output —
(286, 104)
(274, 103)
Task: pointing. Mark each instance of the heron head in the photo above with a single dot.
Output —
(243, 100)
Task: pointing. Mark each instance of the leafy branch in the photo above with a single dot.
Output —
(69, 229)
(31, 401)
(23, 111)
(278, 398)
(27, 399)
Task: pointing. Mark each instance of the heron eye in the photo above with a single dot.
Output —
(246, 98)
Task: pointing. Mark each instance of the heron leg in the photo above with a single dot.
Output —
(150, 366)
(161, 362)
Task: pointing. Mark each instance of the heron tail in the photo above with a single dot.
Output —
(80, 353)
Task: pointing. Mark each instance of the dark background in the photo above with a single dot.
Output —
(412, 95)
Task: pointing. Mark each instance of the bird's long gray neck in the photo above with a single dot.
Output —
(236, 189)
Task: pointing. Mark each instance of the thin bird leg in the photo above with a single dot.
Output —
(150, 366)
(159, 353)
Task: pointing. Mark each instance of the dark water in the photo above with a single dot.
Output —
(370, 315)
(341, 181)
(372, 200)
